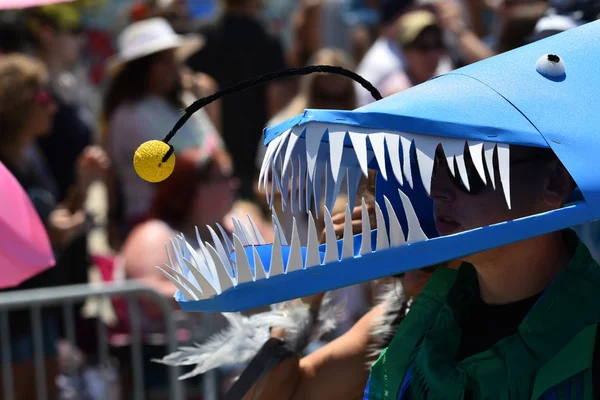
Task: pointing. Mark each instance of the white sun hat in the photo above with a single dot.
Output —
(151, 36)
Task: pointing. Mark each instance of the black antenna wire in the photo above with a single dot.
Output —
(198, 104)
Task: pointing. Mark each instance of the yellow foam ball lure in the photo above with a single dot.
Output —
(148, 161)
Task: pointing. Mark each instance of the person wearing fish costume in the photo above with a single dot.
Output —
(507, 151)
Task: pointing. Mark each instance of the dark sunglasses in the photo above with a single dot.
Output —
(476, 184)
(428, 45)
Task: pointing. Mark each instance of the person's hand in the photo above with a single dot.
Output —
(93, 164)
(198, 83)
(64, 225)
(339, 219)
(450, 15)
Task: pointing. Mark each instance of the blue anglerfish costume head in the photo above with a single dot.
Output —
(543, 95)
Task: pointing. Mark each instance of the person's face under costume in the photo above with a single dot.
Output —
(538, 182)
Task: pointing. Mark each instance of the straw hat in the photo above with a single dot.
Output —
(151, 36)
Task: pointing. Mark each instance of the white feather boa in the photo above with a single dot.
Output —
(245, 336)
(384, 328)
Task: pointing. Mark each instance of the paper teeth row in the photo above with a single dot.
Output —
(208, 270)
(301, 158)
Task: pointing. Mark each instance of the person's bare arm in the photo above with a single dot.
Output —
(338, 370)
(468, 43)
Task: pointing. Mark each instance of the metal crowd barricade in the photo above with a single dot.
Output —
(66, 296)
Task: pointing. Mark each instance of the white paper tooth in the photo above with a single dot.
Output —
(359, 144)
(314, 134)
(462, 168)
(308, 190)
(415, 232)
(184, 248)
(171, 263)
(208, 290)
(504, 169)
(294, 136)
(406, 141)
(396, 234)
(201, 261)
(313, 257)
(259, 268)
(365, 245)
(193, 289)
(451, 148)
(330, 189)
(199, 240)
(211, 267)
(382, 237)
(488, 151)
(240, 232)
(348, 243)
(336, 149)
(226, 240)
(277, 225)
(425, 147)
(267, 162)
(378, 143)
(184, 291)
(252, 240)
(294, 262)
(293, 201)
(285, 187)
(320, 170)
(176, 251)
(225, 280)
(271, 194)
(353, 177)
(392, 142)
(259, 238)
(281, 145)
(276, 267)
(220, 249)
(476, 152)
(242, 267)
(331, 248)
(301, 184)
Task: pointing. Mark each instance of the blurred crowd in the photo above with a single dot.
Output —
(79, 94)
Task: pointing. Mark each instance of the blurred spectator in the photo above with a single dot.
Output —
(384, 56)
(58, 41)
(466, 45)
(517, 21)
(26, 113)
(420, 37)
(143, 102)
(307, 26)
(237, 48)
(199, 84)
(199, 192)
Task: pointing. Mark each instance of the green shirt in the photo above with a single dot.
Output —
(554, 344)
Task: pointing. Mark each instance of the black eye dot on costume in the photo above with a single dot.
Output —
(551, 66)
(553, 58)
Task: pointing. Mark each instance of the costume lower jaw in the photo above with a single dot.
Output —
(243, 273)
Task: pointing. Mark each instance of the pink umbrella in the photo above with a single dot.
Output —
(25, 249)
(17, 4)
